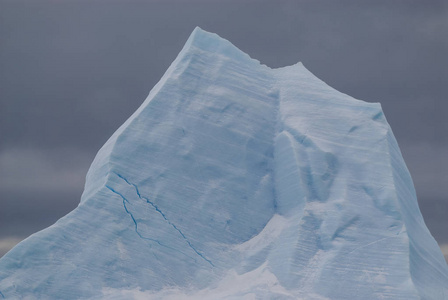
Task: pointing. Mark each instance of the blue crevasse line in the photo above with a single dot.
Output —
(1, 294)
(136, 224)
(131, 215)
(178, 230)
(165, 218)
(135, 186)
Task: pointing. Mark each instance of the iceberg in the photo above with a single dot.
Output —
(237, 181)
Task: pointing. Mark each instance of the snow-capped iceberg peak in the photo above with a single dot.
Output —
(232, 181)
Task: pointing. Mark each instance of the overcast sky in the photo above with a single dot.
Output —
(71, 72)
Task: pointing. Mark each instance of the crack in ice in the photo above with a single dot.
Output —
(156, 208)
(136, 223)
(132, 216)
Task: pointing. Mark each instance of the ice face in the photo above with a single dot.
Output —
(235, 181)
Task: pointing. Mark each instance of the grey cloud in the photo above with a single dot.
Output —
(428, 165)
(25, 212)
(38, 187)
(52, 170)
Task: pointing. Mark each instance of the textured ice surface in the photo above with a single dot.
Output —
(237, 181)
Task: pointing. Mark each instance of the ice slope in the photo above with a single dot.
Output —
(237, 181)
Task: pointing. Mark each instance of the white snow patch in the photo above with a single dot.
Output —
(246, 286)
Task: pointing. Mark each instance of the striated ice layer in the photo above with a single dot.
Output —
(237, 181)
